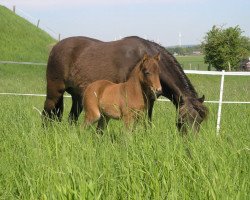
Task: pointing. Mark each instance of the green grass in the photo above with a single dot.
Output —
(68, 162)
(21, 40)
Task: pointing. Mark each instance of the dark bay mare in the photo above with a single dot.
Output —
(78, 61)
(128, 100)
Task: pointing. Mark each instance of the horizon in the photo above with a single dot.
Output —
(169, 22)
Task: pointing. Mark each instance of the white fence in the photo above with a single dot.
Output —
(220, 73)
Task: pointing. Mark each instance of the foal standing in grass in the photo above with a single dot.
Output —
(127, 101)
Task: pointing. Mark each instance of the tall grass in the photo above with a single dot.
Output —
(68, 162)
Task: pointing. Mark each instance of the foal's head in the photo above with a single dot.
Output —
(149, 75)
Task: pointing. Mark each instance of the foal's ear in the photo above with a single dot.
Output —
(145, 57)
(201, 100)
(157, 56)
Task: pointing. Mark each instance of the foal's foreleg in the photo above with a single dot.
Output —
(129, 121)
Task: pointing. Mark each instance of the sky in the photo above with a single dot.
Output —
(169, 22)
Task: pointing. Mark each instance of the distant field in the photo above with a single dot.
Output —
(192, 62)
(68, 162)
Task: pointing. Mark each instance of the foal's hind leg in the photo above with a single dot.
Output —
(91, 117)
(53, 106)
(92, 112)
(76, 108)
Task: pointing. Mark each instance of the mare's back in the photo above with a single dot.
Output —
(109, 60)
(95, 60)
(65, 53)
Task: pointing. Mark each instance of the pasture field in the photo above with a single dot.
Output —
(68, 162)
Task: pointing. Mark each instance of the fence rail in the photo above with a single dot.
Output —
(160, 99)
(22, 63)
(217, 73)
(220, 73)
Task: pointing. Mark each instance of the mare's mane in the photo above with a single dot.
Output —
(189, 88)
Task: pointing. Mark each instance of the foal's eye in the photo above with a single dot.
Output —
(147, 73)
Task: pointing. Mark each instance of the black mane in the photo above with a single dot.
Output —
(189, 88)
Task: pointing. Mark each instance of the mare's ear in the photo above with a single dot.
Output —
(201, 100)
(157, 56)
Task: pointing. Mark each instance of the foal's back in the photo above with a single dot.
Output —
(95, 102)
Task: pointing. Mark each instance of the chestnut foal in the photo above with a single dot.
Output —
(127, 101)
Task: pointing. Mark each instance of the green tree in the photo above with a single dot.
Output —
(225, 48)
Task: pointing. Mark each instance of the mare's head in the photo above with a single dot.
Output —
(150, 75)
(191, 113)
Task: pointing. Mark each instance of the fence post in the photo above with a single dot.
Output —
(220, 102)
(38, 22)
(59, 37)
(14, 9)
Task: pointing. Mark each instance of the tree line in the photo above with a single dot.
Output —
(223, 48)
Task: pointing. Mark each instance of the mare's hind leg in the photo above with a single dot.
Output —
(53, 106)
(102, 123)
(76, 108)
(59, 108)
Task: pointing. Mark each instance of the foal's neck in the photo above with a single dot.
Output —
(134, 78)
(136, 87)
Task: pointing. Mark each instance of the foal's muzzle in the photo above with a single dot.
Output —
(158, 92)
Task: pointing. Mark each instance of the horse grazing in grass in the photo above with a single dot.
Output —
(76, 62)
(127, 101)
